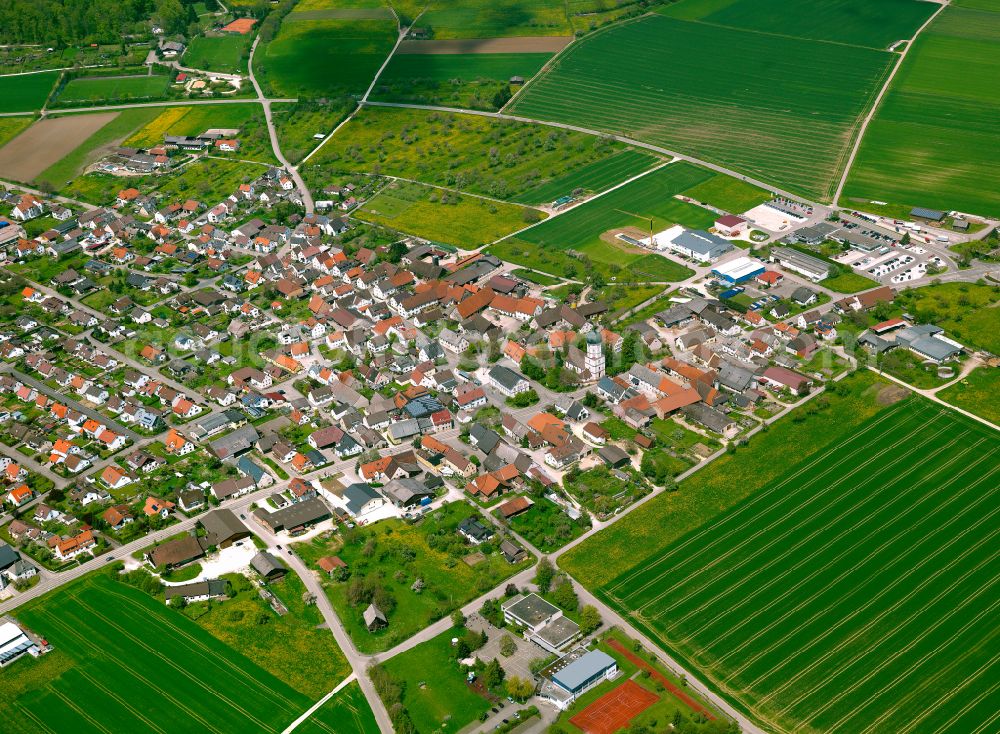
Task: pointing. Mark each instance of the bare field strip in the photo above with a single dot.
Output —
(858, 592)
(47, 142)
(524, 45)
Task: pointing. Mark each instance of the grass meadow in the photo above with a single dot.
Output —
(11, 127)
(780, 108)
(124, 661)
(548, 246)
(347, 712)
(26, 92)
(856, 591)
(592, 177)
(227, 54)
(497, 158)
(314, 58)
(925, 145)
(113, 89)
(978, 392)
(854, 22)
(468, 81)
(496, 18)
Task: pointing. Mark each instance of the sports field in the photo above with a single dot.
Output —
(614, 710)
(112, 89)
(584, 229)
(26, 92)
(313, 58)
(925, 145)
(132, 664)
(781, 108)
(856, 592)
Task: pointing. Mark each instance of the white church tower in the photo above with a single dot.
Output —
(594, 361)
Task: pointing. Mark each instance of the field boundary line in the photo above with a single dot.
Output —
(807, 558)
(312, 709)
(871, 623)
(762, 530)
(840, 577)
(773, 540)
(878, 102)
(759, 496)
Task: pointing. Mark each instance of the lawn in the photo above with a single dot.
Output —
(855, 22)
(537, 278)
(209, 180)
(255, 144)
(26, 92)
(434, 690)
(602, 492)
(547, 526)
(105, 89)
(294, 647)
(444, 216)
(580, 229)
(854, 590)
(729, 194)
(469, 81)
(849, 282)
(314, 58)
(227, 54)
(11, 127)
(386, 559)
(978, 392)
(347, 712)
(924, 146)
(72, 165)
(968, 312)
(124, 661)
(706, 90)
(496, 158)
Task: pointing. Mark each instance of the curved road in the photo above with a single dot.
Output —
(307, 199)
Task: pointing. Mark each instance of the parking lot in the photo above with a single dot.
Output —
(519, 663)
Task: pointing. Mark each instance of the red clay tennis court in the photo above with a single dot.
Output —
(614, 710)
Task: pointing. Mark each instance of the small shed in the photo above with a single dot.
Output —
(614, 456)
(268, 566)
(374, 619)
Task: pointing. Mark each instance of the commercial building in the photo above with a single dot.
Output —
(543, 623)
(798, 262)
(696, 244)
(739, 270)
(14, 643)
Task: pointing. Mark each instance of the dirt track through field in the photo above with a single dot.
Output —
(47, 142)
(524, 45)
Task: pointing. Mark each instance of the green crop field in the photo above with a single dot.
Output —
(314, 58)
(444, 216)
(26, 92)
(593, 177)
(105, 89)
(469, 81)
(227, 54)
(584, 229)
(780, 108)
(854, 22)
(497, 158)
(496, 18)
(856, 592)
(925, 145)
(124, 661)
(347, 712)
(729, 193)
